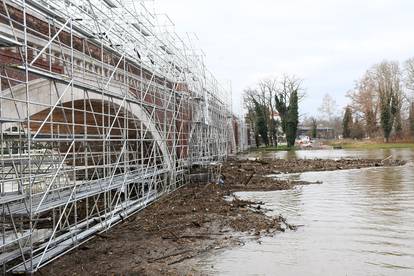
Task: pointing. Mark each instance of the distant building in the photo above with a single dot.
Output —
(321, 132)
(276, 116)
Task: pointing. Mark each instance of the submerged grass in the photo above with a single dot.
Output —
(345, 144)
(372, 145)
(278, 148)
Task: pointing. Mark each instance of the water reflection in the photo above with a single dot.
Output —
(358, 222)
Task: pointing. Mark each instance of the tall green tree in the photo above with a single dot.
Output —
(357, 130)
(396, 112)
(371, 123)
(411, 120)
(267, 89)
(261, 122)
(389, 92)
(287, 86)
(282, 108)
(347, 123)
(256, 137)
(387, 120)
(274, 131)
(389, 109)
(286, 103)
(262, 102)
(398, 127)
(314, 130)
(292, 120)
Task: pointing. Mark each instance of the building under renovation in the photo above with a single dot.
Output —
(103, 109)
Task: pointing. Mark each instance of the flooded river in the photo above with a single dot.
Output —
(358, 222)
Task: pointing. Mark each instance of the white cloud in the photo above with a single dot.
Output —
(327, 43)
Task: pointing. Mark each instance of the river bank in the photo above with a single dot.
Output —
(196, 219)
(370, 144)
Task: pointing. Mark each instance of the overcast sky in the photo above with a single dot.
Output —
(329, 44)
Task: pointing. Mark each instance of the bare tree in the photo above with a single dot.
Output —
(328, 107)
(365, 102)
(409, 74)
(409, 83)
(287, 86)
(249, 95)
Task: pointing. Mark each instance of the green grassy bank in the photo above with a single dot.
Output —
(372, 145)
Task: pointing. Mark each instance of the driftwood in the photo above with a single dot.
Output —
(169, 255)
(182, 259)
(248, 180)
(199, 236)
(388, 158)
(288, 225)
(102, 236)
(191, 256)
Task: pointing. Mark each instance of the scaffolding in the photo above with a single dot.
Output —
(103, 109)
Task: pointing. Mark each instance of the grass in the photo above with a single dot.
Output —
(347, 144)
(372, 145)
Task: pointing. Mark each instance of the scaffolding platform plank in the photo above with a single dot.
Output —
(7, 256)
(9, 198)
(83, 191)
(11, 120)
(6, 42)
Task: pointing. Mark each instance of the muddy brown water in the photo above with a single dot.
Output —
(358, 222)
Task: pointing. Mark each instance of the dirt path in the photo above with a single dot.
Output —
(163, 238)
